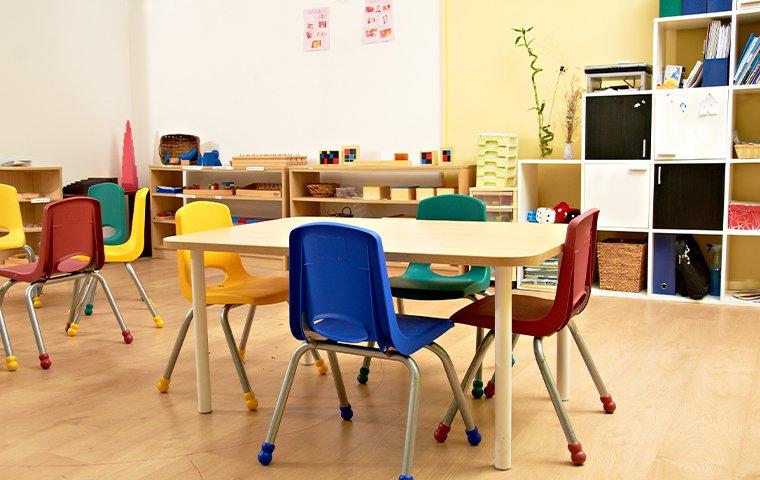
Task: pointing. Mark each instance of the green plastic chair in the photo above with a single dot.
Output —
(419, 282)
(114, 211)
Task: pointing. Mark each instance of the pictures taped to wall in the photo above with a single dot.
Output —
(316, 29)
(378, 21)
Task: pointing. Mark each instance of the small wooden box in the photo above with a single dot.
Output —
(350, 153)
(376, 192)
(403, 193)
(445, 191)
(425, 192)
(249, 192)
(429, 158)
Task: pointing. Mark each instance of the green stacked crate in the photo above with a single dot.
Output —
(497, 160)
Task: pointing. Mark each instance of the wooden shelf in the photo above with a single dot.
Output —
(169, 221)
(222, 169)
(741, 90)
(216, 197)
(353, 200)
(691, 22)
(381, 168)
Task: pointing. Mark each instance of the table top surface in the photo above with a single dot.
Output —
(404, 239)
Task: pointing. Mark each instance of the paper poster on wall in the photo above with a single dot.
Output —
(378, 21)
(316, 29)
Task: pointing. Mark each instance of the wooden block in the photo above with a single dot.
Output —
(247, 192)
(445, 191)
(329, 157)
(425, 192)
(403, 193)
(350, 153)
(447, 155)
(401, 156)
(376, 192)
(429, 157)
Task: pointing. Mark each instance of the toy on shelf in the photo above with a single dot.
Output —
(421, 193)
(165, 215)
(347, 192)
(210, 159)
(215, 189)
(349, 153)
(172, 146)
(329, 157)
(497, 160)
(270, 160)
(190, 157)
(240, 220)
(546, 215)
(128, 166)
(560, 213)
(376, 192)
(429, 158)
(561, 210)
(446, 155)
(401, 156)
(403, 193)
(170, 190)
(260, 190)
(322, 190)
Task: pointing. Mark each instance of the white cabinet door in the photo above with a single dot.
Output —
(691, 124)
(620, 191)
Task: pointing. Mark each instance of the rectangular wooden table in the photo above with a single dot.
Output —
(494, 244)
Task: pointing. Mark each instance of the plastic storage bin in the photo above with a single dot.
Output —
(494, 198)
(692, 7)
(719, 5)
(715, 72)
(670, 8)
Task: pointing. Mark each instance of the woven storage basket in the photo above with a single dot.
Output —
(175, 144)
(747, 150)
(323, 190)
(622, 265)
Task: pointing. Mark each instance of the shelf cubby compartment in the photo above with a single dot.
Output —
(744, 199)
(746, 105)
(743, 268)
(689, 197)
(664, 262)
(635, 265)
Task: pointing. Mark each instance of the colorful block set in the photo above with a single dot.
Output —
(329, 157)
(349, 153)
(429, 158)
(446, 155)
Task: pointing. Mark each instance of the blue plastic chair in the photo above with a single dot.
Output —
(340, 296)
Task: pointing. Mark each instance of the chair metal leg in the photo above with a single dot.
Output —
(604, 396)
(363, 376)
(157, 321)
(345, 407)
(477, 384)
(119, 319)
(473, 435)
(163, 383)
(411, 417)
(442, 431)
(577, 455)
(248, 395)
(29, 252)
(76, 298)
(11, 362)
(90, 298)
(85, 293)
(28, 297)
(246, 332)
(267, 448)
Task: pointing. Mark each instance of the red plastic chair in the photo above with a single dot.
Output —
(71, 248)
(540, 317)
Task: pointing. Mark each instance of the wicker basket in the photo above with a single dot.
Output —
(322, 190)
(175, 144)
(622, 265)
(747, 150)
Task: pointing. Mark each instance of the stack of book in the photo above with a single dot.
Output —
(718, 41)
(544, 275)
(748, 68)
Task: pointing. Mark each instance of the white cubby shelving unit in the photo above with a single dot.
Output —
(626, 189)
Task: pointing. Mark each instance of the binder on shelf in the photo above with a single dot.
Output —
(715, 72)
(693, 7)
(719, 5)
(664, 268)
(670, 8)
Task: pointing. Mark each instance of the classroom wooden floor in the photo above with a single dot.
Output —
(686, 379)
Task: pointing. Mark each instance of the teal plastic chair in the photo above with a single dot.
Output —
(114, 211)
(420, 282)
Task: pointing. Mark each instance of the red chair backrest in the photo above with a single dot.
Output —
(576, 271)
(72, 237)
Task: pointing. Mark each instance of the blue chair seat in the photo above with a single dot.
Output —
(420, 283)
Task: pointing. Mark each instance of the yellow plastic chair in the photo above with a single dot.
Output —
(10, 220)
(236, 289)
(125, 253)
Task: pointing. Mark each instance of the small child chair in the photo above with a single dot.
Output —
(111, 198)
(419, 282)
(71, 248)
(340, 296)
(540, 318)
(10, 219)
(236, 289)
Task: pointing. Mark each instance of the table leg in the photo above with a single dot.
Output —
(564, 345)
(202, 371)
(503, 322)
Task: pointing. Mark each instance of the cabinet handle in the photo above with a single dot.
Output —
(637, 169)
(659, 175)
(644, 148)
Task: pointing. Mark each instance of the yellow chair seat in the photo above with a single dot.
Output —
(248, 290)
(14, 239)
(123, 253)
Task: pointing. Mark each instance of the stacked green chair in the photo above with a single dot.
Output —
(420, 282)
(113, 211)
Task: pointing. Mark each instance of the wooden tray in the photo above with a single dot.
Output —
(267, 160)
(242, 192)
(224, 193)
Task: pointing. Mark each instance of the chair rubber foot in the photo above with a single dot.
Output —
(88, 309)
(577, 455)
(158, 321)
(163, 384)
(250, 401)
(11, 363)
(265, 454)
(441, 432)
(72, 330)
(37, 302)
(45, 361)
(363, 376)
(609, 405)
(490, 389)
(405, 477)
(241, 354)
(346, 413)
(473, 436)
(66, 328)
(477, 389)
(321, 366)
(127, 336)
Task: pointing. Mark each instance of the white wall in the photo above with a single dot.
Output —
(235, 73)
(65, 83)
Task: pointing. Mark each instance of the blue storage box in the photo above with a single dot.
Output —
(719, 5)
(691, 7)
(715, 72)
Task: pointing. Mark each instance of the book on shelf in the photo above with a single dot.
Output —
(695, 75)
(749, 62)
(718, 40)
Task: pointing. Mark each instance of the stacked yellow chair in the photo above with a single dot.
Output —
(238, 288)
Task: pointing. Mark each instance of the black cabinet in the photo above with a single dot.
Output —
(688, 196)
(618, 127)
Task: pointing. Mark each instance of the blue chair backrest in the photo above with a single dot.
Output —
(339, 285)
